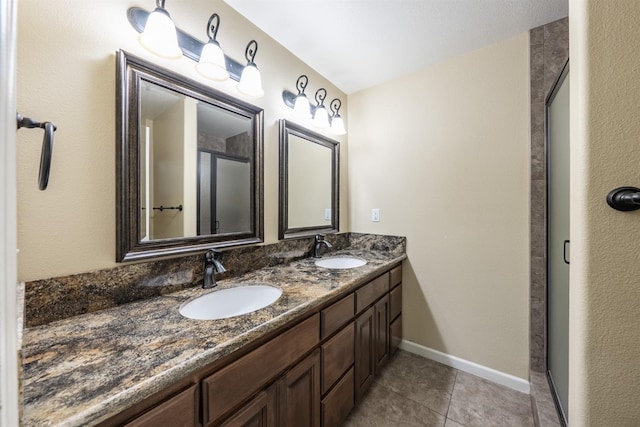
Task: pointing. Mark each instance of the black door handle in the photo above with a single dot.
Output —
(564, 251)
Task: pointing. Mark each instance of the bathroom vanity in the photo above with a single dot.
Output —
(305, 360)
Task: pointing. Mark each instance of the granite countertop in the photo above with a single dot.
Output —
(87, 368)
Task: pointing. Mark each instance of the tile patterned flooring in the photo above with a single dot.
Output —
(414, 391)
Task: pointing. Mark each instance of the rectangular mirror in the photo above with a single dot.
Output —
(189, 165)
(309, 182)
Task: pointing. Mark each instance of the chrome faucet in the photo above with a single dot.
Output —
(317, 247)
(211, 266)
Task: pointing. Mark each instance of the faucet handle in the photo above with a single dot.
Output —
(319, 237)
(211, 254)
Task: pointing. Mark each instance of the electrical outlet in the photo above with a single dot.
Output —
(327, 214)
(375, 215)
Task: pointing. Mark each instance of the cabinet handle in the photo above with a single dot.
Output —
(564, 251)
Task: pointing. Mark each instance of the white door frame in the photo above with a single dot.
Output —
(9, 396)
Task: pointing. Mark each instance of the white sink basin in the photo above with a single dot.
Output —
(230, 302)
(340, 262)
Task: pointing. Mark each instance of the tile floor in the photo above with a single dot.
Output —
(414, 391)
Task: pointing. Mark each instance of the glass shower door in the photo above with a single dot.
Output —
(558, 244)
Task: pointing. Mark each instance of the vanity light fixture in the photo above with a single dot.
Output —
(321, 116)
(337, 124)
(212, 64)
(250, 81)
(206, 55)
(299, 102)
(159, 35)
(302, 110)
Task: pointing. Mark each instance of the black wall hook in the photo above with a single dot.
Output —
(624, 199)
(47, 146)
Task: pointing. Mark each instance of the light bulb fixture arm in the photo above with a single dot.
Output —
(191, 46)
(250, 52)
(321, 95)
(212, 27)
(301, 84)
(334, 106)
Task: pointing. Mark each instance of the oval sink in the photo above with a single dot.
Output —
(340, 262)
(230, 302)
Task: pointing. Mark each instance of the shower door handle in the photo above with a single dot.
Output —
(564, 251)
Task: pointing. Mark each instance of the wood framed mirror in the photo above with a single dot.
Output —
(309, 182)
(189, 166)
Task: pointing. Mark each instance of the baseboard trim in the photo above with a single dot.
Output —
(481, 371)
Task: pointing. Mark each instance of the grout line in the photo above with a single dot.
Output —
(451, 397)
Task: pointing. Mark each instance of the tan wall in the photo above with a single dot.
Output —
(604, 369)
(444, 154)
(169, 174)
(66, 74)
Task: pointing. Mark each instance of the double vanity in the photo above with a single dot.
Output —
(282, 340)
(304, 359)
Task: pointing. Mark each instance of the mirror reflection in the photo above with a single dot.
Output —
(195, 167)
(309, 178)
(191, 160)
(308, 182)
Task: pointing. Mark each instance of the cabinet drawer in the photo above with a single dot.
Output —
(395, 330)
(333, 317)
(225, 389)
(339, 402)
(179, 410)
(369, 293)
(337, 356)
(396, 276)
(395, 299)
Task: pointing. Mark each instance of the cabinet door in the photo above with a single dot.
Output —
(364, 351)
(381, 339)
(261, 411)
(395, 330)
(180, 410)
(300, 394)
(395, 302)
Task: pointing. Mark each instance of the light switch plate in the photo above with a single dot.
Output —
(327, 214)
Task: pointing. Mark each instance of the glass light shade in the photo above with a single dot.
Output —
(159, 36)
(250, 82)
(301, 108)
(321, 118)
(212, 64)
(337, 126)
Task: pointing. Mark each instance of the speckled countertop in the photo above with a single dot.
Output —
(87, 368)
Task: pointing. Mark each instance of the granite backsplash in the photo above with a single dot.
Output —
(58, 298)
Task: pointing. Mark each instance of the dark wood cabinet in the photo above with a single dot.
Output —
(180, 410)
(364, 352)
(337, 404)
(299, 391)
(231, 385)
(336, 315)
(337, 356)
(261, 411)
(395, 310)
(310, 374)
(395, 330)
(381, 337)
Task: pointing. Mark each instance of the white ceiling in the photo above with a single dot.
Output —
(357, 44)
